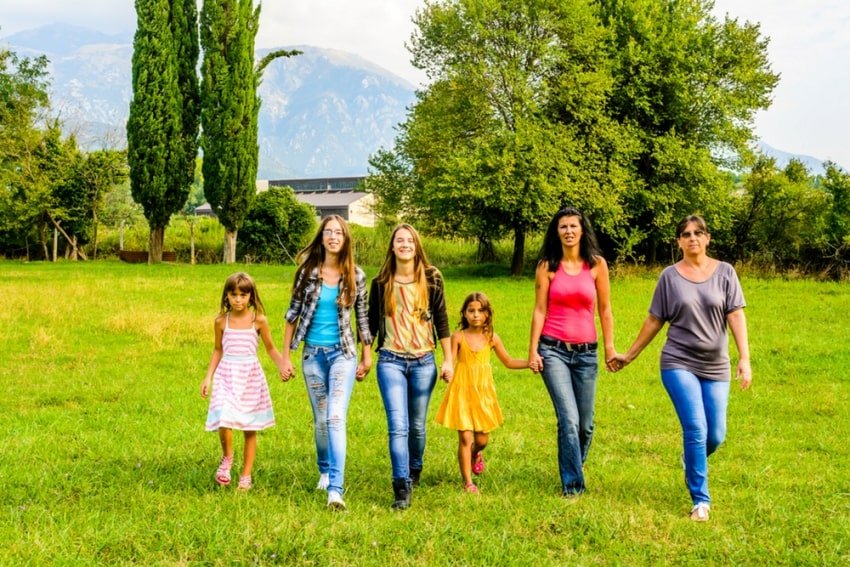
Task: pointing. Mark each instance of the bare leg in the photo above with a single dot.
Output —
(226, 437)
(250, 452)
(464, 455)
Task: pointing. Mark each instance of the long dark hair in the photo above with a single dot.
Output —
(552, 252)
(312, 256)
(485, 306)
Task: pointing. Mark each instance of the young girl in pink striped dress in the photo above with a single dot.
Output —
(240, 396)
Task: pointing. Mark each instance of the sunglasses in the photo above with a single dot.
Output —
(688, 234)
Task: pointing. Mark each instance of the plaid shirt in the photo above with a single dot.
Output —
(302, 308)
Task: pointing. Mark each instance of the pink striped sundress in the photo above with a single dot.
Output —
(240, 395)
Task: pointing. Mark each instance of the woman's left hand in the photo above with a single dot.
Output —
(745, 373)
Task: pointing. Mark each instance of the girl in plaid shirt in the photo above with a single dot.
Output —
(327, 286)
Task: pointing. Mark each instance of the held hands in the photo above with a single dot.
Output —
(446, 371)
(363, 369)
(616, 362)
(286, 369)
(535, 362)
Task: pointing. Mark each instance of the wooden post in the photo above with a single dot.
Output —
(55, 243)
(192, 242)
(121, 237)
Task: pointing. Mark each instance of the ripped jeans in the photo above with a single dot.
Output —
(329, 376)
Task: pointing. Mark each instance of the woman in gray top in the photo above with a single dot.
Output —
(698, 296)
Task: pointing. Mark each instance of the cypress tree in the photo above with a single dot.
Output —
(163, 124)
(229, 110)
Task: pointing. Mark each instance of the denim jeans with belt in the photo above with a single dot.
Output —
(329, 376)
(701, 407)
(570, 378)
(406, 385)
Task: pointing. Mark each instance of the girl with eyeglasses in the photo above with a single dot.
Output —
(699, 297)
(328, 285)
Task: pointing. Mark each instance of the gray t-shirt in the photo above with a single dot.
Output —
(697, 339)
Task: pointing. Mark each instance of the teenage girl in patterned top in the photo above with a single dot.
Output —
(240, 399)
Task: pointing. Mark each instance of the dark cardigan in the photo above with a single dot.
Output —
(436, 308)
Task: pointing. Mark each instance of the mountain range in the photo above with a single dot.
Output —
(323, 112)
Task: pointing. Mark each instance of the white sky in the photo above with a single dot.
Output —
(809, 47)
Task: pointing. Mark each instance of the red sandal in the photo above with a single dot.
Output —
(477, 463)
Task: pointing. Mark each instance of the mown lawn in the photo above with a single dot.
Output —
(105, 459)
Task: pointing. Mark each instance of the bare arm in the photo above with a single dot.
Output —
(218, 329)
(603, 306)
(538, 317)
(447, 368)
(287, 371)
(505, 358)
(262, 324)
(738, 323)
(647, 332)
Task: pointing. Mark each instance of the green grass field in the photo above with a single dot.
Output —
(106, 460)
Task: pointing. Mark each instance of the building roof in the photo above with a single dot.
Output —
(330, 199)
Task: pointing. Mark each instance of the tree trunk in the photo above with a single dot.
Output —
(486, 250)
(55, 243)
(155, 245)
(230, 246)
(519, 251)
(121, 236)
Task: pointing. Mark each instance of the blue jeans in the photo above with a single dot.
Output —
(406, 386)
(701, 407)
(570, 378)
(329, 376)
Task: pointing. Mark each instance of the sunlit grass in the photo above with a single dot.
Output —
(105, 459)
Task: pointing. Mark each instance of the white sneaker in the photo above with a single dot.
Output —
(335, 501)
(699, 513)
(324, 480)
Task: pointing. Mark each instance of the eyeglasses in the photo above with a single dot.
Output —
(332, 232)
(688, 234)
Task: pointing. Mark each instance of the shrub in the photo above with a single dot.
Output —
(275, 228)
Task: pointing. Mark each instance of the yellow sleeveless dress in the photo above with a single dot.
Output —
(470, 402)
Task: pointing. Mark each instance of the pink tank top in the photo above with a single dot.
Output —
(569, 315)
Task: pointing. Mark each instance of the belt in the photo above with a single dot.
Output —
(569, 347)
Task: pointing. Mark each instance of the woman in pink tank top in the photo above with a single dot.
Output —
(570, 282)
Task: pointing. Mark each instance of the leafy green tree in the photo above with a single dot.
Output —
(276, 226)
(162, 128)
(484, 156)
(686, 86)
(780, 214)
(836, 183)
(229, 110)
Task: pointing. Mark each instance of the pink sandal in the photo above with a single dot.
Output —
(222, 475)
(245, 483)
(477, 463)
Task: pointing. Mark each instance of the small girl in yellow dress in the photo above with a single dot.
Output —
(470, 405)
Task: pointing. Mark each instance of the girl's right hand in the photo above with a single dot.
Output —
(205, 387)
